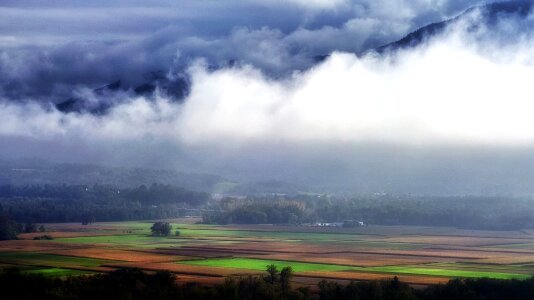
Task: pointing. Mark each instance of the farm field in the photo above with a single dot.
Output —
(207, 253)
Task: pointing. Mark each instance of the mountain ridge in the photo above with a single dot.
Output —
(490, 13)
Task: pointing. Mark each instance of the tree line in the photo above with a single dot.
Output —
(9, 229)
(488, 213)
(274, 285)
(77, 203)
(81, 203)
(470, 212)
(257, 212)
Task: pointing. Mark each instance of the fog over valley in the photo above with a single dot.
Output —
(267, 149)
(403, 97)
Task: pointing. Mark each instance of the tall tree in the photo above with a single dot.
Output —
(161, 228)
(8, 228)
(272, 274)
(285, 278)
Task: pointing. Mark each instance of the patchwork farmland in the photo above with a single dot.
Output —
(208, 254)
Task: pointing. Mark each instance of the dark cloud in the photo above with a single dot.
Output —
(449, 116)
(49, 49)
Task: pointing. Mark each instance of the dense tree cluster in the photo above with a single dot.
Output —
(45, 237)
(87, 204)
(490, 213)
(372, 290)
(8, 228)
(80, 203)
(161, 229)
(137, 285)
(259, 212)
(481, 289)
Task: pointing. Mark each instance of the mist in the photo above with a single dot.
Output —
(450, 116)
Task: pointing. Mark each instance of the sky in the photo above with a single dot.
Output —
(289, 90)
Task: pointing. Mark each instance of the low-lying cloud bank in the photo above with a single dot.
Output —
(467, 89)
(460, 88)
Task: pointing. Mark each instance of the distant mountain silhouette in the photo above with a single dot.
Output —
(175, 89)
(178, 87)
(490, 14)
(77, 104)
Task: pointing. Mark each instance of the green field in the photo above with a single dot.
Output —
(278, 235)
(57, 272)
(50, 264)
(261, 264)
(327, 251)
(447, 272)
(142, 237)
(50, 259)
(198, 230)
(522, 269)
(126, 239)
(381, 245)
(141, 241)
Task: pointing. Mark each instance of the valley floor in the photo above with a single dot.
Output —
(208, 253)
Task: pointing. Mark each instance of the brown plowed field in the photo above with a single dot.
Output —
(116, 254)
(415, 248)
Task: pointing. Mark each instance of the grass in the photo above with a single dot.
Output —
(132, 240)
(380, 245)
(203, 230)
(138, 237)
(526, 269)
(513, 246)
(143, 241)
(31, 258)
(446, 272)
(57, 272)
(278, 235)
(110, 239)
(261, 264)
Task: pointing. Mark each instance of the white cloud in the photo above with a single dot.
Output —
(459, 89)
(447, 92)
(456, 110)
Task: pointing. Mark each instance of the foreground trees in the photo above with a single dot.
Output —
(137, 285)
(282, 278)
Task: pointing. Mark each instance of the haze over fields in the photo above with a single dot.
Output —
(297, 91)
